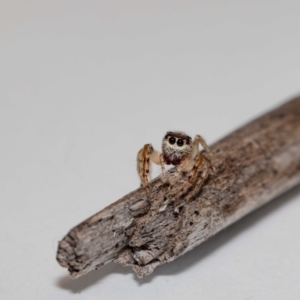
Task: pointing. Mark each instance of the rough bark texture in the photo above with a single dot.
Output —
(252, 165)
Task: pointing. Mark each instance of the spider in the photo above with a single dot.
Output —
(178, 149)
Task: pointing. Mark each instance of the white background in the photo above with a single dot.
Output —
(85, 84)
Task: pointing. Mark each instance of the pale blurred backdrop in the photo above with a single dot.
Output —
(85, 84)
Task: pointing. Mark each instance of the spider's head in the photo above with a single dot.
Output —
(175, 145)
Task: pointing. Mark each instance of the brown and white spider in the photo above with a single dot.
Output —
(178, 149)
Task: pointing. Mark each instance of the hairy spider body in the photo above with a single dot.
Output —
(178, 149)
(173, 153)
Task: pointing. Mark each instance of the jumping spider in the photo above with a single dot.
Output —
(178, 149)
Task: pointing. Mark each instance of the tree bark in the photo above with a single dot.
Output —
(143, 230)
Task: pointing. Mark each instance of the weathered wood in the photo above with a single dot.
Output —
(252, 165)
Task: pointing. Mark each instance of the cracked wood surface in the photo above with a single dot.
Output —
(254, 164)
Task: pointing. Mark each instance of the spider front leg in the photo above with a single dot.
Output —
(198, 161)
(195, 147)
(163, 170)
(145, 155)
(196, 169)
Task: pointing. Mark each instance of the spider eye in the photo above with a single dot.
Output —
(180, 142)
(172, 140)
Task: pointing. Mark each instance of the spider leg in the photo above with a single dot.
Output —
(163, 170)
(145, 155)
(192, 190)
(196, 168)
(208, 156)
(195, 147)
(198, 183)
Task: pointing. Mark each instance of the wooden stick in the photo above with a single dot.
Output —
(252, 165)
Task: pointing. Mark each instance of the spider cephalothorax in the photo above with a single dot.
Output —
(176, 146)
(178, 149)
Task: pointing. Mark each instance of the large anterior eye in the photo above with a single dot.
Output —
(172, 140)
(180, 142)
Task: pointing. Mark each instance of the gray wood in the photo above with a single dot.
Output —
(252, 165)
